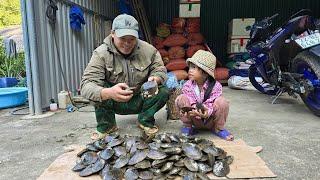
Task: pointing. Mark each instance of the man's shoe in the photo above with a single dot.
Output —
(149, 130)
(98, 135)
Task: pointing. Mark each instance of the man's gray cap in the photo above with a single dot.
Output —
(124, 25)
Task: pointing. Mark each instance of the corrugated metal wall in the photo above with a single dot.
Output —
(161, 11)
(75, 48)
(216, 14)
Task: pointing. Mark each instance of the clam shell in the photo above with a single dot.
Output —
(155, 154)
(192, 151)
(220, 168)
(138, 157)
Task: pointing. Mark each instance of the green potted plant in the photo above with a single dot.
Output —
(7, 79)
(10, 69)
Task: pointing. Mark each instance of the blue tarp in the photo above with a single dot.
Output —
(76, 18)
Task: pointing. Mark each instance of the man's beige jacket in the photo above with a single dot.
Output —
(108, 65)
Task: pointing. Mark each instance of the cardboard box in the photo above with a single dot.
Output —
(246, 164)
(238, 27)
(188, 1)
(189, 10)
(237, 44)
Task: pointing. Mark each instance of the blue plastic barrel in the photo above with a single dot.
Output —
(8, 82)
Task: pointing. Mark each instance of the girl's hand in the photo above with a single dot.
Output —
(203, 112)
(194, 113)
(182, 113)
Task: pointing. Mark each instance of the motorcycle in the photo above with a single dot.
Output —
(287, 59)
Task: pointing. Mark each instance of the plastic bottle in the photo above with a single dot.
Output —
(53, 105)
(63, 99)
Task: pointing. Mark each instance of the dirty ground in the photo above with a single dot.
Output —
(287, 131)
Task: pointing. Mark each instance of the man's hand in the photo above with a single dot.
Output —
(119, 92)
(155, 78)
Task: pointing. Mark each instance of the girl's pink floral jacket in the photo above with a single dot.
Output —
(189, 87)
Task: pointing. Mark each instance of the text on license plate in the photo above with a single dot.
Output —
(308, 41)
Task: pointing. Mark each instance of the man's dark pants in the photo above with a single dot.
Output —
(146, 108)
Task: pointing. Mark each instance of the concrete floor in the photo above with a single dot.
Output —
(288, 132)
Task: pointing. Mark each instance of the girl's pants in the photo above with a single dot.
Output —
(215, 122)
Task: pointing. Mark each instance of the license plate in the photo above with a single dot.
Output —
(309, 41)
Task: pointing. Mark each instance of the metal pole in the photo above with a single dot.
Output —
(33, 56)
(27, 55)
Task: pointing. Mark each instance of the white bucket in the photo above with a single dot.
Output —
(63, 99)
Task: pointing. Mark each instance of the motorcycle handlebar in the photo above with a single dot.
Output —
(266, 21)
(263, 23)
(273, 16)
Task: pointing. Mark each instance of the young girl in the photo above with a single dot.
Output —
(201, 104)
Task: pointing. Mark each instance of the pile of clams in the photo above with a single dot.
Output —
(165, 157)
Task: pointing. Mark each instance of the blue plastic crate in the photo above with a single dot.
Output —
(12, 97)
(8, 82)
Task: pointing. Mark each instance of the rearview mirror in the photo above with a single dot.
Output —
(248, 28)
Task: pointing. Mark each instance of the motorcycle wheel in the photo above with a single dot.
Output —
(253, 72)
(308, 64)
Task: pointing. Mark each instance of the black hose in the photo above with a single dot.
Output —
(51, 12)
(51, 15)
(13, 112)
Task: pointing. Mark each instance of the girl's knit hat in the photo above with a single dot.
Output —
(204, 60)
